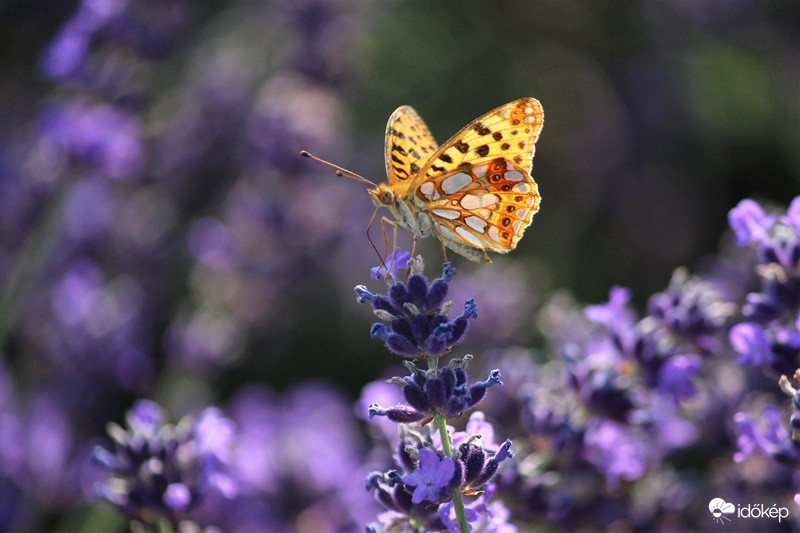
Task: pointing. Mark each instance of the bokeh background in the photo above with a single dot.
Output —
(160, 237)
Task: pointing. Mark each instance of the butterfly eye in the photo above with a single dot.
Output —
(386, 197)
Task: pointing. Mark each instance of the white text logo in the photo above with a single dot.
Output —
(719, 508)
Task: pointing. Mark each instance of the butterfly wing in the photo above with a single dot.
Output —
(409, 145)
(477, 188)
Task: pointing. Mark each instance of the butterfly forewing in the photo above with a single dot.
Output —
(409, 145)
(510, 130)
(477, 187)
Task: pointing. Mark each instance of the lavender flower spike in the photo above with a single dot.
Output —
(416, 311)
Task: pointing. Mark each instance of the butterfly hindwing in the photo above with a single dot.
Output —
(486, 207)
(409, 145)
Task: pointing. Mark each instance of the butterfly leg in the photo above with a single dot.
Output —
(441, 241)
(392, 223)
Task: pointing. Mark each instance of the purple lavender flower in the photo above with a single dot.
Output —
(675, 377)
(693, 308)
(391, 493)
(444, 391)
(766, 435)
(749, 222)
(481, 514)
(769, 334)
(751, 343)
(614, 451)
(417, 312)
(104, 137)
(477, 425)
(160, 470)
(295, 458)
(432, 480)
(615, 315)
(480, 465)
(397, 260)
(380, 392)
(67, 53)
(41, 452)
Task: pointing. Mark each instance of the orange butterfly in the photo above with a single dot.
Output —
(474, 193)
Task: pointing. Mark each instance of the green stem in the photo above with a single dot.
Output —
(441, 423)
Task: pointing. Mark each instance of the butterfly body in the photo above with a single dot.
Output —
(475, 192)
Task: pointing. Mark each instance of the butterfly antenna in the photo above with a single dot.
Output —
(343, 172)
(371, 220)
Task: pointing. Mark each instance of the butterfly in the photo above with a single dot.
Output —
(475, 192)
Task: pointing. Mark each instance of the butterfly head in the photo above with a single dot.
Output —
(382, 195)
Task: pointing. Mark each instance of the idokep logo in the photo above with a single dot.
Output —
(719, 508)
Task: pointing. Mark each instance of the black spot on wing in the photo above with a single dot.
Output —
(482, 150)
(462, 147)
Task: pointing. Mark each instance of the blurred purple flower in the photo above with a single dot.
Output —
(767, 435)
(481, 515)
(675, 377)
(88, 210)
(749, 222)
(104, 138)
(476, 425)
(294, 453)
(164, 471)
(614, 451)
(615, 314)
(751, 343)
(211, 243)
(67, 53)
(792, 216)
(505, 307)
(382, 393)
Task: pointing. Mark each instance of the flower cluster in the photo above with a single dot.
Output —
(769, 335)
(770, 435)
(417, 312)
(161, 472)
(424, 495)
(442, 391)
(436, 479)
